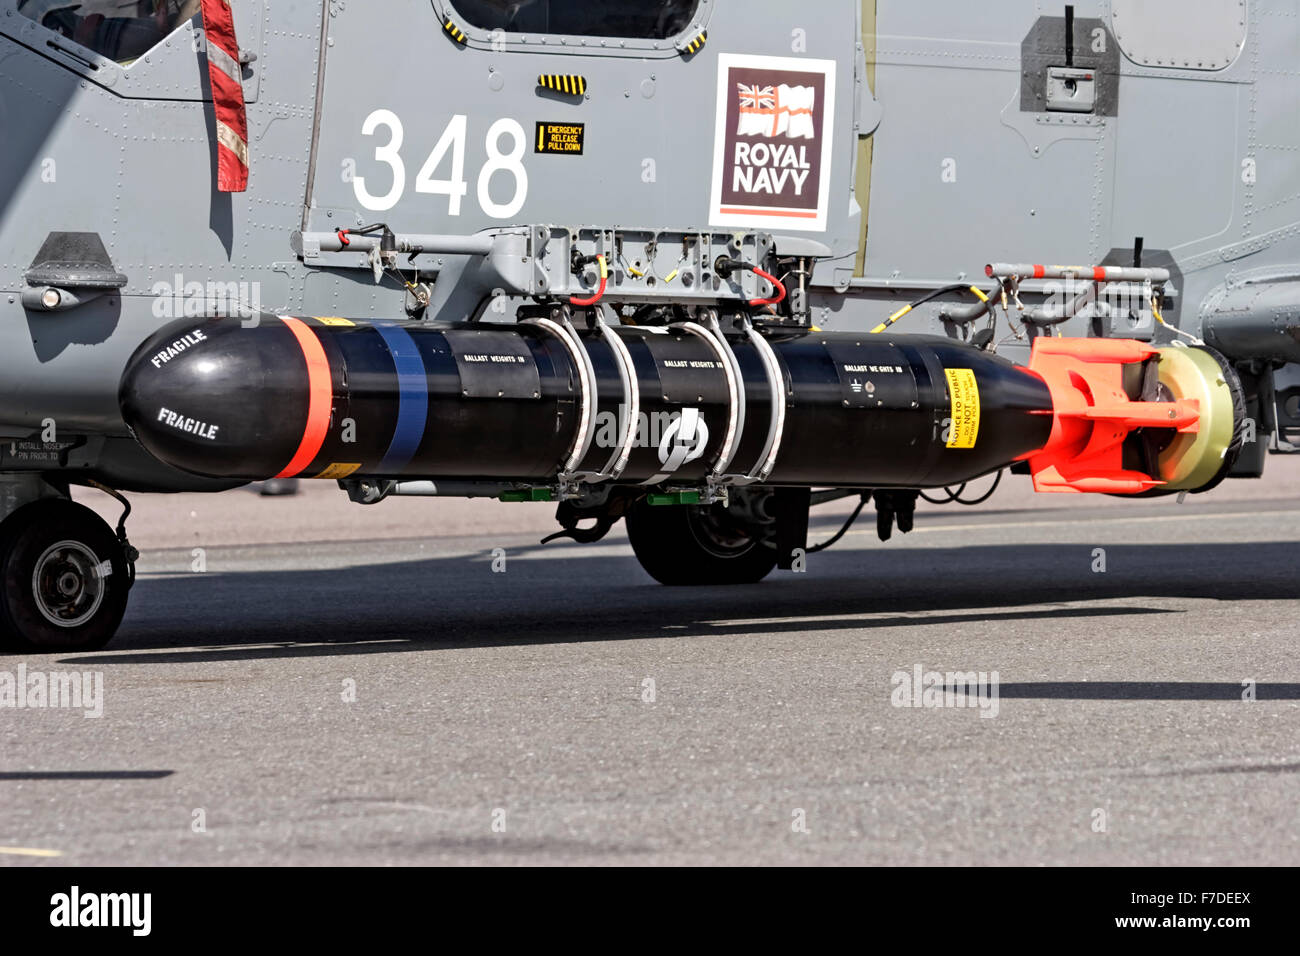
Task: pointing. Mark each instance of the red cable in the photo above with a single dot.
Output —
(600, 291)
(776, 284)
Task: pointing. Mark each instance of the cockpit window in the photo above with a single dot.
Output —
(644, 19)
(121, 30)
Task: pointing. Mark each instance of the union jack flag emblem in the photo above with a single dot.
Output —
(757, 97)
(776, 110)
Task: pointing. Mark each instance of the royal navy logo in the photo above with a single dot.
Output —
(773, 138)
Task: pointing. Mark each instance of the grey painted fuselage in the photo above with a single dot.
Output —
(954, 140)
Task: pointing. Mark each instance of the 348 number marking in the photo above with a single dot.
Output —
(449, 148)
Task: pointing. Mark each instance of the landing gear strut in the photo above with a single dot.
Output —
(64, 578)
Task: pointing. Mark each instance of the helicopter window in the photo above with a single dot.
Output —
(121, 30)
(645, 19)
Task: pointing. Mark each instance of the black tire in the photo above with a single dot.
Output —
(1233, 451)
(275, 487)
(52, 597)
(686, 544)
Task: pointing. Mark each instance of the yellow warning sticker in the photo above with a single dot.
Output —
(964, 394)
(564, 138)
(339, 470)
(333, 320)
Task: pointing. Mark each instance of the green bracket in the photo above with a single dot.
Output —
(673, 498)
(528, 494)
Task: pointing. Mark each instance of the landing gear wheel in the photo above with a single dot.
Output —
(275, 487)
(64, 579)
(688, 544)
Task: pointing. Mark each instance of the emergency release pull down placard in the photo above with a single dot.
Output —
(563, 138)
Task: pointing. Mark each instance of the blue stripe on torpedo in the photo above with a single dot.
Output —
(413, 399)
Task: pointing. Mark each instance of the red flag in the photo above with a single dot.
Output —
(226, 76)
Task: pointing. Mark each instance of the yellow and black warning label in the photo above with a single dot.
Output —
(340, 469)
(964, 393)
(563, 138)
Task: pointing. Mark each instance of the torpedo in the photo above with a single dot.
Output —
(300, 397)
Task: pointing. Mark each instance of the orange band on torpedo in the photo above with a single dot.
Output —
(320, 389)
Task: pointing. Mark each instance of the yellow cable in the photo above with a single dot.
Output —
(891, 320)
(908, 308)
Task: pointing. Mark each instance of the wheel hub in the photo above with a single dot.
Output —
(718, 533)
(67, 585)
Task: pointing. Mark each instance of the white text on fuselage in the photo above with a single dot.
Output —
(764, 168)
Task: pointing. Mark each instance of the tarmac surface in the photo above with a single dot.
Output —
(308, 681)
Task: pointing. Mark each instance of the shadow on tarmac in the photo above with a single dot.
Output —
(459, 602)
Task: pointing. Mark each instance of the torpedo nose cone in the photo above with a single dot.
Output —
(216, 398)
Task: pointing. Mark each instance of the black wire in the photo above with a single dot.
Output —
(952, 495)
(946, 290)
(984, 497)
(956, 495)
(839, 534)
(984, 307)
(128, 552)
